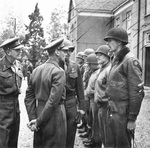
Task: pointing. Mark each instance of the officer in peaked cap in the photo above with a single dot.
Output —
(10, 83)
(57, 44)
(12, 43)
(47, 84)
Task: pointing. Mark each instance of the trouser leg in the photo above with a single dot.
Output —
(14, 132)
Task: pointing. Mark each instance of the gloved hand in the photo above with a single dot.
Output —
(79, 116)
(32, 125)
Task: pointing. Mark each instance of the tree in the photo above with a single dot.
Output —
(11, 26)
(58, 26)
(34, 38)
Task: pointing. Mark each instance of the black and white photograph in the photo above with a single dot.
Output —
(74, 73)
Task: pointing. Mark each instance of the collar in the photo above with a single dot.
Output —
(6, 64)
(53, 61)
(121, 54)
(105, 65)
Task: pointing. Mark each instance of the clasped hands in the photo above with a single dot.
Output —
(32, 125)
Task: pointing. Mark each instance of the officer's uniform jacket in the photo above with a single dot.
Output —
(124, 77)
(74, 84)
(10, 83)
(10, 77)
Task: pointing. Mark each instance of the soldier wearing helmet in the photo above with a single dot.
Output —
(123, 93)
(74, 94)
(87, 52)
(103, 57)
(86, 75)
(80, 61)
(93, 139)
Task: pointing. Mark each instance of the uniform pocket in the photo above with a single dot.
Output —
(6, 79)
(73, 75)
(5, 74)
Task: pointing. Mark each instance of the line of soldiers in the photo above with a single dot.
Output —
(102, 96)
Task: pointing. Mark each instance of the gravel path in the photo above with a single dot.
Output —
(142, 134)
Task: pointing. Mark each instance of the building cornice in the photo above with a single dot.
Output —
(97, 13)
(122, 7)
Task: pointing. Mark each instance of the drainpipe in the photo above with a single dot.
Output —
(138, 35)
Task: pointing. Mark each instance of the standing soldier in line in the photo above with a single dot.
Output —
(10, 82)
(103, 57)
(74, 102)
(44, 100)
(80, 61)
(124, 94)
(94, 138)
(86, 125)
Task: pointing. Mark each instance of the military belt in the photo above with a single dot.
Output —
(113, 105)
(11, 97)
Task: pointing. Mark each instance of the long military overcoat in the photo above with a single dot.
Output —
(43, 102)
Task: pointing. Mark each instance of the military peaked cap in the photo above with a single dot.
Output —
(54, 44)
(12, 43)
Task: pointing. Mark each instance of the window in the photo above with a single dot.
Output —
(148, 38)
(117, 21)
(147, 7)
(128, 17)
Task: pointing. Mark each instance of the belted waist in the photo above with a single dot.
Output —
(42, 102)
(12, 97)
(119, 102)
(115, 105)
(70, 94)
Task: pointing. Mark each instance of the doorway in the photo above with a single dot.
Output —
(147, 67)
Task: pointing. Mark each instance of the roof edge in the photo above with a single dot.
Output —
(121, 5)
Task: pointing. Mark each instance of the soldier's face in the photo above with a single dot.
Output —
(61, 55)
(16, 54)
(67, 54)
(79, 60)
(113, 44)
(101, 58)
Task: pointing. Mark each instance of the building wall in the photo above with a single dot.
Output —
(91, 31)
(132, 31)
(145, 39)
(73, 30)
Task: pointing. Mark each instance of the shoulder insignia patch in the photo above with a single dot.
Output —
(136, 64)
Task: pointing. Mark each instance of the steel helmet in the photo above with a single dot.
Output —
(88, 51)
(117, 33)
(104, 49)
(80, 55)
(92, 59)
(68, 45)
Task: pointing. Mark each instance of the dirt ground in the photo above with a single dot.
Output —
(142, 133)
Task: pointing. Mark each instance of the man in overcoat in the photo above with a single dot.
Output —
(44, 101)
